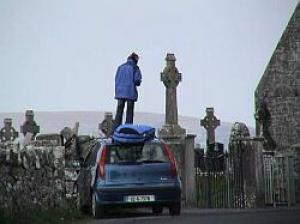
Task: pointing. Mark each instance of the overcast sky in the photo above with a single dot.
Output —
(62, 55)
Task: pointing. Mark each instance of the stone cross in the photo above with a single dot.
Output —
(30, 125)
(210, 123)
(107, 124)
(8, 133)
(171, 78)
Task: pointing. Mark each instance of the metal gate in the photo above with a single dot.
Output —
(213, 180)
(213, 189)
(279, 178)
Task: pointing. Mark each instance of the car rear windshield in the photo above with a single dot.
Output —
(133, 154)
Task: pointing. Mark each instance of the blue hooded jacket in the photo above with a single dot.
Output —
(128, 77)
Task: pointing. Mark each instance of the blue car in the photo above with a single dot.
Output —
(140, 174)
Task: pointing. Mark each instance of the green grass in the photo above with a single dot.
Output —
(64, 214)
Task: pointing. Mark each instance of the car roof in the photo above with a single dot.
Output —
(108, 141)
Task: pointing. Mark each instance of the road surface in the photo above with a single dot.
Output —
(207, 216)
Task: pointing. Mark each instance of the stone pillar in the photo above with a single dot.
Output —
(257, 147)
(30, 126)
(246, 160)
(8, 133)
(210, 123)
(189, 171)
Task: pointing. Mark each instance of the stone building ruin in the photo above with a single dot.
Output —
(277, 97)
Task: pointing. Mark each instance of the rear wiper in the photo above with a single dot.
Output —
(140, 162)
(129, 163)
(152, 161)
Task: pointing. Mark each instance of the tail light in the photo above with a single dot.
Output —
(101, 164)
(171, 159)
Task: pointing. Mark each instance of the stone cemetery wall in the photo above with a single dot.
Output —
(31, 176)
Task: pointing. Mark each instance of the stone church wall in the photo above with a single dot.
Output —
(279, 89)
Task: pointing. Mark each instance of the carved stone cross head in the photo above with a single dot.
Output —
(170, 75)
(7, 122)
(30, 125)
(210, 123)
(8, 133)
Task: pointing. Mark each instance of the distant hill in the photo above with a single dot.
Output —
(53, 122)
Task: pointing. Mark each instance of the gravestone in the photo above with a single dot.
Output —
(171, 78)
(171, 132)
(30, 125)
(107, 124)
(210, 123)
(199, 158)
(76, 146)
(53, 139)
(8, 133)
(70, 142)
(215, 157)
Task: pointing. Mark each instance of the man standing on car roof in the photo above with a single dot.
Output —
(128, 77)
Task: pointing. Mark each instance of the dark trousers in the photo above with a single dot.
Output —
(120, 109)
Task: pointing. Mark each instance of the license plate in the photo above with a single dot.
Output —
(139, 198)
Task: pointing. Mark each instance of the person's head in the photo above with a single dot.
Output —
(133, 57)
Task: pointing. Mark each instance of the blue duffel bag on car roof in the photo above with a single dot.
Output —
(133, 133)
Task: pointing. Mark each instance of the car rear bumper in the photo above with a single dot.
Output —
(164, 195)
